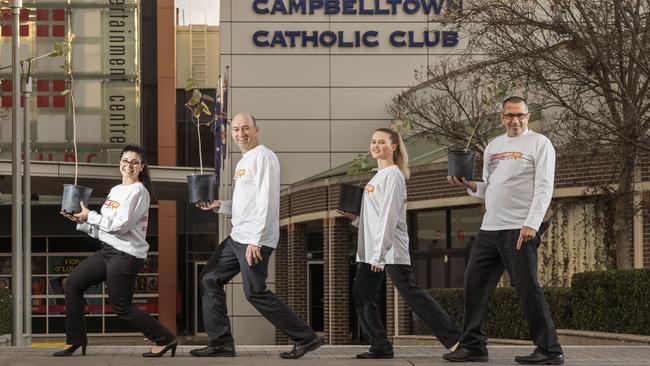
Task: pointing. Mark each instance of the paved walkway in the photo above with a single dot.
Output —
(327, 355)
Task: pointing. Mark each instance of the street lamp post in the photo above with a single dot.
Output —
(27, 209)
(16, 204)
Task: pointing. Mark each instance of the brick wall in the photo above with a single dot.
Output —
(335, 253)
(430, 182)
(281, 277)
(302, 202)
(297, 269)
(404, 312)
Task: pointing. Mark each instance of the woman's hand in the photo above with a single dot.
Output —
(68, 216)
(464, 183)
(206, 206)
(78, 217)
(349, 215)
(376, 269)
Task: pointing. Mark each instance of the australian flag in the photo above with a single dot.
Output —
(219, 127)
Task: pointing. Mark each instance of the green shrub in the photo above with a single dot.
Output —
(5, 311)
(505, 312)
(615, 301)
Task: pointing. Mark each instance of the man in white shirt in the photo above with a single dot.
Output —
(255, 210)
(517, 187)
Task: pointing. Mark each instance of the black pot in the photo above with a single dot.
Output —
(350, 198)
(72, 195)
(460, 164)
(201, 187)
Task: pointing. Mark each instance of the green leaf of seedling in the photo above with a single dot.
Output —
(196, 98)
(65, 92)
(205, 109)
(208, 98)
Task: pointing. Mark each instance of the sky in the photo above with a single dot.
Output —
(200, 9)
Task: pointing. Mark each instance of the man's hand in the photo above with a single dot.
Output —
(376, 269)
(253, 254)
(206, 206)
(83, 215)
(349, 215)
(464, 183)
(526, 233)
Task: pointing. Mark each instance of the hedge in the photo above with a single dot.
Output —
(505, 312)
(5, 311)
(616, 301)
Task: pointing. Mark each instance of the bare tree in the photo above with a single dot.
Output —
(586, 63)
(454, 108)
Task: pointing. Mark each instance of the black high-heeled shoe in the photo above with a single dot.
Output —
(171, 346)
(69, 351)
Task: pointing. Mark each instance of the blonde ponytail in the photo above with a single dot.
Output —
(400, 156)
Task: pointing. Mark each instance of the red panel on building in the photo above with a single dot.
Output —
(58, 31)
(24, 14)
(24, 30)
(42, 101)
(6, 30)
(42, 30)
(58, 85)
(58, 14)
(42, 85)
(42, 14)
(58, 101)
(5, 14)
(6, 85)
(6, 101)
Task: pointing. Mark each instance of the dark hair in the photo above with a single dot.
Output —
(514, 99)
(400, 156)
(144, 176)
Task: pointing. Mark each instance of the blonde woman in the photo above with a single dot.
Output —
(383, 246)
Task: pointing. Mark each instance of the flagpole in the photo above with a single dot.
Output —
(226, 174)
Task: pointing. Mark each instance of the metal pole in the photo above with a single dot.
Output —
(16, 204)
(27, 212)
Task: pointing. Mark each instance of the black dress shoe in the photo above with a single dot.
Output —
(224, 350)
(540, 358)
(466, 355)
(69, 351)
(300, 350)
(171, 346)
(370, 355)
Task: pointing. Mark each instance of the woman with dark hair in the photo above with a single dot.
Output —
(121, 226)
(383, 246)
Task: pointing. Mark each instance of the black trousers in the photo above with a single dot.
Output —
(367, 285)
(225, 263)
(119, 270)
(493, 252)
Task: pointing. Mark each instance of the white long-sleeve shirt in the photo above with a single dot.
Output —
(517, 186)
(255, 205)
(122, 222)
(383, 237)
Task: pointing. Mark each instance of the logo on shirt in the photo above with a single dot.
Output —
(144, 223)
(112, 204)
(370, 188)
(240, 173)
(508, 155)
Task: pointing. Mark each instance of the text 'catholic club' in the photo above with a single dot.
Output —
(355, 38)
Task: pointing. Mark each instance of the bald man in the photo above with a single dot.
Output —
(255, 210)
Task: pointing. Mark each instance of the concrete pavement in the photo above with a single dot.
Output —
(327, 355)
